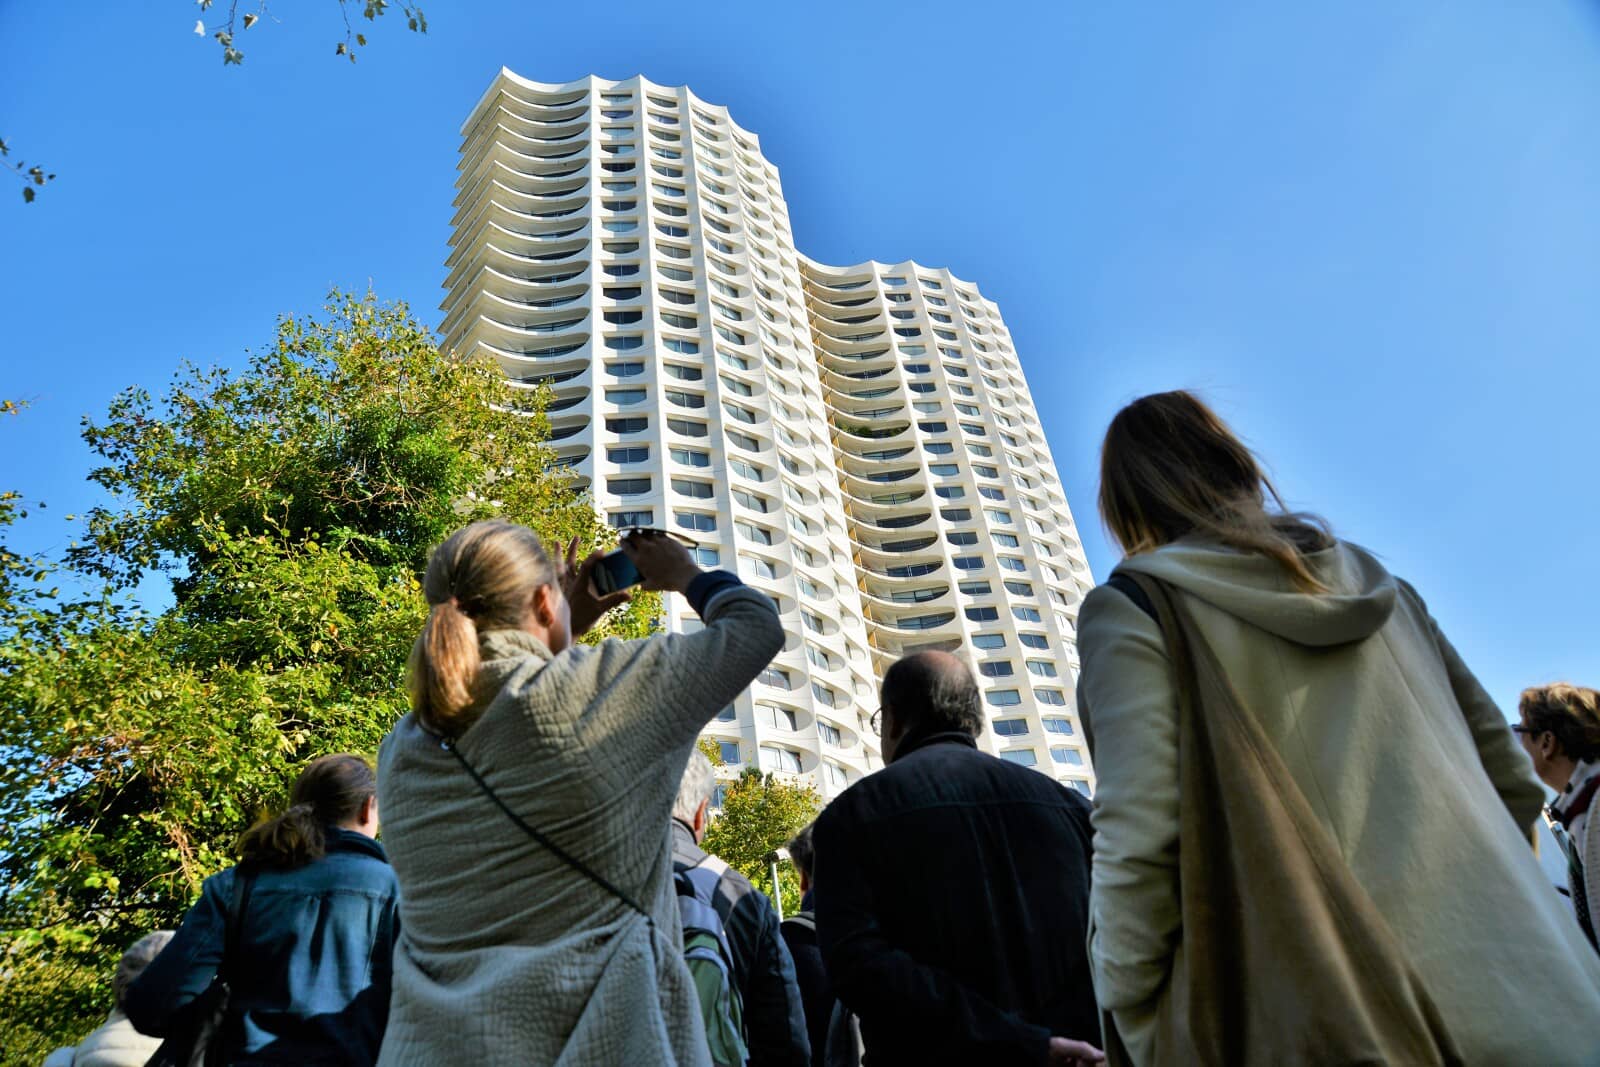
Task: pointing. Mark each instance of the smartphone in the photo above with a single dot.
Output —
(615, 571)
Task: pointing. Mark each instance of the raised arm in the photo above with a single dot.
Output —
(654, 695)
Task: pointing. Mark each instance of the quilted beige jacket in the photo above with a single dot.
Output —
(508, 956)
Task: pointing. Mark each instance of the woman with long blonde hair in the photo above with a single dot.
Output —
(527, 799)
(1311, 822)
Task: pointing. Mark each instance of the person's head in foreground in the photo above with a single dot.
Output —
(1560, 728)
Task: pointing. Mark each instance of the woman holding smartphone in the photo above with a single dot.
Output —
(526, 801)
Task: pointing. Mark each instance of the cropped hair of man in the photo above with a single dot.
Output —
(774, 1018)
(952, 891)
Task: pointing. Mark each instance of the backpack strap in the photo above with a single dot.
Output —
(244, 880)
(802, 920)
(1122, 583)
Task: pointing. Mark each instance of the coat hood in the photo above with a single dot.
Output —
(1256, 589)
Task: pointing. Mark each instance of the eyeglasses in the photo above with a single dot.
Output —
(1518, 728)
(875, 723)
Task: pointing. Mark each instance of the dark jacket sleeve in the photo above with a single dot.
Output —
(774, 1015)
(816, 994)
(883, 984)
(183, 970)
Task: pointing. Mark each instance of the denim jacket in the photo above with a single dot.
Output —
(310, 975)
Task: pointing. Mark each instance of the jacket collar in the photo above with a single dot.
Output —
(512, 644)
(684, 846)
(914, 740)
(342, 840)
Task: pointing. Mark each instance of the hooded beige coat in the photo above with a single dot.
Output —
(1402, 756)
(507, 955)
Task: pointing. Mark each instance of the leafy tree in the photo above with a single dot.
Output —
(760, 812)
(292, 505)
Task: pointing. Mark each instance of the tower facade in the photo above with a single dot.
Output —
(858, 443)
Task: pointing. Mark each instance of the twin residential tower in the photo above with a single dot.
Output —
(857, 442)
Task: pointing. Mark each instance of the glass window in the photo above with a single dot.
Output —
(1070, 756)
(1027, 614)
(744, 441)
(728, 714)
(1011, 563)
(628, 454)
(691, 457)
(830, 734)
(1042, 668)
(685, 400)
(1018, 588)
(624, 519)
(748, 470)
(706, 556)
(751, 532)
(1003, 698)
(939, 448)
(996, 669)
(989, 641)
(1034, 640)
(737, 412)
(625, 343)
(962, 537)
(956, 514)
(983, 614)
(1058, 726)
(1011, 727)
(625, 397)
(624, 370)
(682, 373)
(974, 586)
(1050, 696)
(967, 563)
(760, 567)
(691, 488)
(627, 486)
(690, 520)
(1024, 757)
(943, 470)
(779, 759)
(629, 425)
(729, 751)
(774, 676)
(1007, 540)
(687, 427)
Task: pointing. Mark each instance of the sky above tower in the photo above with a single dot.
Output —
(1366, 231)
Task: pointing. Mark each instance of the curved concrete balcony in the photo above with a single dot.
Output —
(898, 546)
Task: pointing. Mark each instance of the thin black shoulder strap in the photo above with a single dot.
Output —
(562, 854)
(1131, 589)
(244, 880)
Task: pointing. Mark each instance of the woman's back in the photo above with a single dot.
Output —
(311, 972)
(586, 746)
(1398, 751)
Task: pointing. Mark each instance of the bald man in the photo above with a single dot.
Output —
(952, 891)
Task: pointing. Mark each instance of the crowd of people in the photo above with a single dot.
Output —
(1310, 840)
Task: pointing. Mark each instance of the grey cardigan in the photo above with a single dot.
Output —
(507, 955)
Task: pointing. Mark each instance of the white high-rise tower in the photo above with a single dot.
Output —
(856, 442)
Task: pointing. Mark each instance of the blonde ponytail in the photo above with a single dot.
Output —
(481, 578)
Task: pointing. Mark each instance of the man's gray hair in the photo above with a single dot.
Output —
(695, 789)
(139, 956)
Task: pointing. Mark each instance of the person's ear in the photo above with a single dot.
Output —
(544, 605)
(701, 817)
(1547, 744)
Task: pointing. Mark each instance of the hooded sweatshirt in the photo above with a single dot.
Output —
(1399, 751)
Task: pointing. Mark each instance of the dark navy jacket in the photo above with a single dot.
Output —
(311, 976)
(952, 902)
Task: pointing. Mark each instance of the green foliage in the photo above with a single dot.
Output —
(760, 812)
(292, 505)
(31, 176)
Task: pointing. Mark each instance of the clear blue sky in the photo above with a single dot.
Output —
(1369, 231)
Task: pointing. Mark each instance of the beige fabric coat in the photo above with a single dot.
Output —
(507, 955)
(115, 1044)
(1399, 751)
